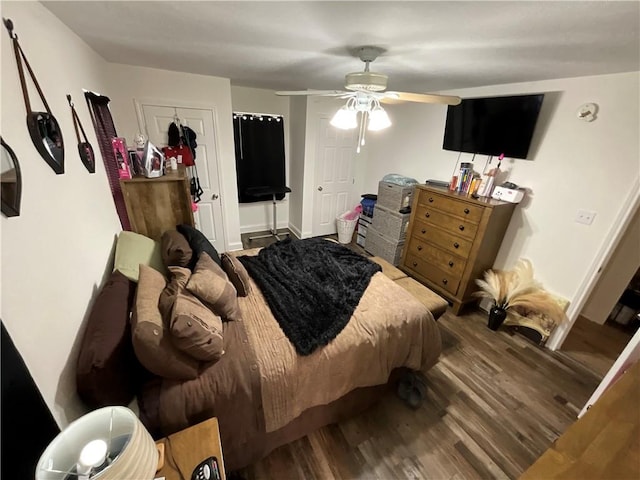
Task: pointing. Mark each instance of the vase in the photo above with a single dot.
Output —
(496, 317)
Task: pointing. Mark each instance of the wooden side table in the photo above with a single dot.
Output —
(183, 451)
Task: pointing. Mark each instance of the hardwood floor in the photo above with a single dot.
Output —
(595, 346)
(495, 403)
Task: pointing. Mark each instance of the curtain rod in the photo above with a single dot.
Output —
(259, 114)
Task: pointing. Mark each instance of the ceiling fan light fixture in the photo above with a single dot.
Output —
(367, 81)
(345, 119)
(378, 119)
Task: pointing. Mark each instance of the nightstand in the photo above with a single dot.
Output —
(184, 450)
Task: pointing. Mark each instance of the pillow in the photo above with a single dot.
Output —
(237, 274)
(151, 338)
(199, 244)
(210, 284)
(133, 249)
(195, 329)
(107, 371)
(179, 278)
(175, 249)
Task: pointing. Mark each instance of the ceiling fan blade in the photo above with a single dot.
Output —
(399, 97)
(324, 93)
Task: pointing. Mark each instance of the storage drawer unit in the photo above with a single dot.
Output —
(381, 246)
(394, 197)
(390, 223)
(452, 239)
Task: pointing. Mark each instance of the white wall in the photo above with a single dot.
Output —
(297, 130)
(55, 254)
(619, 271)
(259, 216)
(575, 165)
(128, 83)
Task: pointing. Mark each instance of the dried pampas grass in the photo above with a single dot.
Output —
(518, 289)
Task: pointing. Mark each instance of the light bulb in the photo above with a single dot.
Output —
(345, 119)
(378, 119)
(92, 455)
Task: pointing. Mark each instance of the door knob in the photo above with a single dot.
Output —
(320, 188)
(215, 196)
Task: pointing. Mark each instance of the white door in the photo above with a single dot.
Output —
(334, 176)
(157, 119)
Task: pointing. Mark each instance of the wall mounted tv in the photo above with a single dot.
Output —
(491, 126)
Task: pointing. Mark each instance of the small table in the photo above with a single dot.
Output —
(183, 451)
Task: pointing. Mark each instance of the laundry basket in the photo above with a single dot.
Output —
(346, 228)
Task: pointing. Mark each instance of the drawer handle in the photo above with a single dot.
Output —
(466, 210)
(415, 264)
(461, 227)
(445, 281)
(427, 214)
(430, 199)
(456, 245)
(423, 231)
(419, 247)
(450, 263)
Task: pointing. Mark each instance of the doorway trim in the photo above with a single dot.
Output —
(631, 203)
(165, 102)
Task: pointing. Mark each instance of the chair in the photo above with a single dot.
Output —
(273, 191)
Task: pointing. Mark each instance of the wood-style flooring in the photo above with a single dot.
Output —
(495, 403)
(595, 346)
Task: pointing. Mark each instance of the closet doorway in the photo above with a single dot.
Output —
(154, 120)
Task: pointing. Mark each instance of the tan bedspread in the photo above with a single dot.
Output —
(389, 329)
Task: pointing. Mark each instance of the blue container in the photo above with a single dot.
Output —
(367, 206)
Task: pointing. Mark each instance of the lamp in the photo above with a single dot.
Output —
(106, 444)
(373, 117)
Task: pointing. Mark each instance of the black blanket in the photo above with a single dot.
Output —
(313, 287)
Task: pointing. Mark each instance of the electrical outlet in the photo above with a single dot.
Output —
(585, 216)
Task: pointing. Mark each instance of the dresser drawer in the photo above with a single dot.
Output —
(468, 211)
(440, 238)
(440, 258)
(444, 280)
(447, 222)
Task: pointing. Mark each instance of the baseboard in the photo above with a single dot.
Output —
(235, 246)
(296, 232)
(261, 227)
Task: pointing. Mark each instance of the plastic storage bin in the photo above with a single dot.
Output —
(383, 247)
(394, 197)
(391, 224)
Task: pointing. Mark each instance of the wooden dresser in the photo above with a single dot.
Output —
(155, 205)
(452, 239)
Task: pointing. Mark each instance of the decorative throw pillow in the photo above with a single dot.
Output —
(178, 281)
(175, 249)
(151, 338)
(107, 370)
(195, 329)
(210, 284)
(237, 274)
(133, 249)
(198, 243)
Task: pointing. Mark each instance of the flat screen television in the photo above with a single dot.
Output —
(491, 126)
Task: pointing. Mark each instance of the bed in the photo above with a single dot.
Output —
(265, 394)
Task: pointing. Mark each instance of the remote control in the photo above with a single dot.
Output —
(207, 470)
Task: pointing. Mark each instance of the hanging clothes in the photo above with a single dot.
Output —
(182, 145)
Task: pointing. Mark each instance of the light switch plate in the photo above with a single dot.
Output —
(585, 216)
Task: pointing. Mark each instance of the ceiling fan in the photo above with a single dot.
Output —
(365, 91)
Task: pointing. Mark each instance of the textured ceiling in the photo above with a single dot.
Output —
(431, 46)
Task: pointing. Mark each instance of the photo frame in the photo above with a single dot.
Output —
(153, 161)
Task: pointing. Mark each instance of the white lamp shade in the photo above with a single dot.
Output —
(345, 118)
(378, 119)
(131, 452)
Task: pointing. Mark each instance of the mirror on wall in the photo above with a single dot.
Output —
(11, 179)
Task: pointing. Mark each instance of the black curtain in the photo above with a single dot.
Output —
(259, 142)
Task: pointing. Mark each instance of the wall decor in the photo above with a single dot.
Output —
(43, 127)
(11, 180)
(85, 150)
